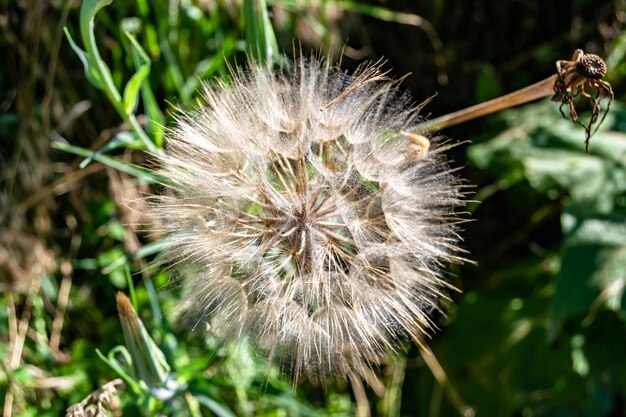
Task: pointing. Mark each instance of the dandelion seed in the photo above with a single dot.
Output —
(310, 215)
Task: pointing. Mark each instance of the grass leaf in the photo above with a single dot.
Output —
(216, 408)
(90, 72)
(260, 39)
(123, 166)
(131, 91)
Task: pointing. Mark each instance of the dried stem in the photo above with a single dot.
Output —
(440, 375)
(533, 92)
(362, 405)
(17, 338)
(59, 314)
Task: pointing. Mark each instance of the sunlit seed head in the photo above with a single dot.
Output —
(310, 215)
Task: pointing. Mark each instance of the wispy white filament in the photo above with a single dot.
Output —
(304, 218)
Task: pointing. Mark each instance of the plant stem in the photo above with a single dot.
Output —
(535, 91)
(87, 23)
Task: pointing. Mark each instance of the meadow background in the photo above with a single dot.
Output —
(539, 329)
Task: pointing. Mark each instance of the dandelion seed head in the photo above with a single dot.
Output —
(306, 216)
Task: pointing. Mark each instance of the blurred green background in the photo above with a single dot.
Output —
(539, 329)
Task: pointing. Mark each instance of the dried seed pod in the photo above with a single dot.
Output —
(582, 76)
(591, 66)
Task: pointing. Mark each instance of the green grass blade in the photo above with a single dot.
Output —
(146, 250)
(119, 369)
(88, 11)
(121, 140)
(260, 39)
(123, 166)
(90, 72)
(131, 91)
(100, 72)
(216, 408)
(155, 117)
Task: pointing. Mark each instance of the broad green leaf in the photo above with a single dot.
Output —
(596, 179)
(582, 226)
(548, 151)
(593, 272)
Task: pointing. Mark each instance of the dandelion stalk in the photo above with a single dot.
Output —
(532, 92)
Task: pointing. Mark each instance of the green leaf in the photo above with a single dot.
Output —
(88, 11)
(156, 121)
(146, 250)
(94, 63)
(593, 271)
(90, 71)
(131, 287)
(155, 117)
(114, 364)
(216, 408)
(260, 39)
(122, 139)
(582, 226)
(131, 91)
(595, 179)
(548, 152)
